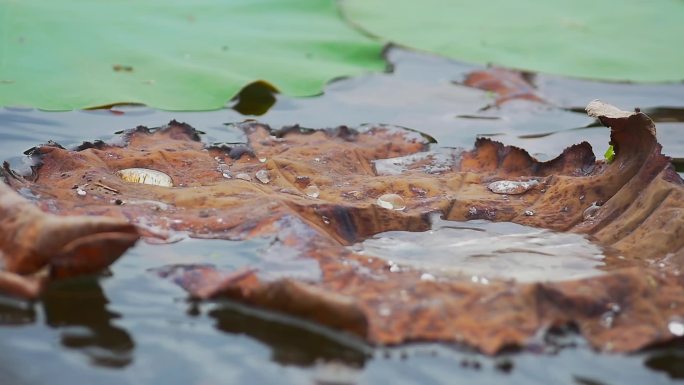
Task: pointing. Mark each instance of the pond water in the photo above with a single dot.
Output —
(129, 327)
(487, 250)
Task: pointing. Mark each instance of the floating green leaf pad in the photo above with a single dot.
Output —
(612, 39)
(171, 54)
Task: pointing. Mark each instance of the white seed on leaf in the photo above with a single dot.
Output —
(145, 176)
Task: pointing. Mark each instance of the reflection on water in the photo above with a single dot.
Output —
(489, 249)
(79, 310)
(669, 360)
(15, 313)
(292, 342)
(268, 257)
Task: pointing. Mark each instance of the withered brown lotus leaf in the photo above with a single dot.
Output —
(506, 84)
(32, 241)
(633, 206)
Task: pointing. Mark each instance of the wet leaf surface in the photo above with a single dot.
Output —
(636, 197)
(35, 246)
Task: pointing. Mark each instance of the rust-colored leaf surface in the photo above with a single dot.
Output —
(317, 192)
(36, 246)
(506, 84)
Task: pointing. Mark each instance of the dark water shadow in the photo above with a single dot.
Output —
(14, 312)
(292, 342)
(668, 359)
(78, 309)
(255, 98)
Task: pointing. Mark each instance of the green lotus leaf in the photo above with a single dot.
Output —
(612, 39)
(171, 54)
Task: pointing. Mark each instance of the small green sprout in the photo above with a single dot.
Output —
(609, 154)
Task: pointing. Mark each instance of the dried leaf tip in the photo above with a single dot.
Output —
(616, 118)
(599, 109)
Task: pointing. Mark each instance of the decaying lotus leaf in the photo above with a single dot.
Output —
(633, 205)
(506, 83)
(32, 241)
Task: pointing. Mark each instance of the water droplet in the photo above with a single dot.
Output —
(581, 197)
(676, 326)
(614, 307)
(263, 177)
(325, 219)
(529, 213)
(511, 187)
(81, 192)
(244, 176)
(607, 319)
(312, 191)
(391, 202)
(393, 267)
(262, 160)
(145, 176)
(478, 279)
(427, 277)
(591, 211)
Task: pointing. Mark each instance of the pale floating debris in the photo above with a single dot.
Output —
(529, 213)
(391, 202)
(226, 175)
(393, 267)
(427, 277)
(312, 191)
(478, 279)
(262, 176)
(81, 192)
(244, 176)
(676, 326)
(145, 176)
(262, 160)
(353, 194)
(510, 187)
(591, 211)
